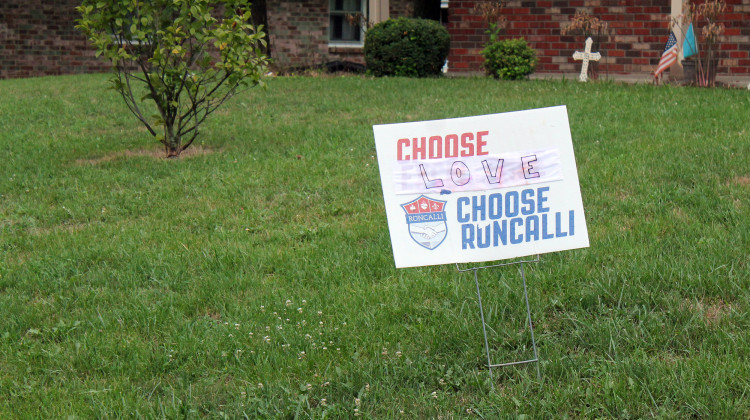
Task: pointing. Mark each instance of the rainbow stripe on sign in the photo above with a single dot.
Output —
(477, 173)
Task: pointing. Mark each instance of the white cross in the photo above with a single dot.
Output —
(586, 55)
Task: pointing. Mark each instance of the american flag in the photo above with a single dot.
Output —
(669, 56)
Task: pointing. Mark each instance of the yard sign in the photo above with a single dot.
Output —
(480, 188)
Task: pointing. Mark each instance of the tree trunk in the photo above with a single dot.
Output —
(173, 153)
(172, 143)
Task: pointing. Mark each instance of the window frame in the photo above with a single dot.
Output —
(364, 9)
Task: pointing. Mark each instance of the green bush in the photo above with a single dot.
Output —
(186, 60)
(511, 59)
(406, 47)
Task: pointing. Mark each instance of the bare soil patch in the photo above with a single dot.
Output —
(712, 311)
(155, 152)
(743, 180)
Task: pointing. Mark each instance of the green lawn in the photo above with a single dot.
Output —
(254, 276)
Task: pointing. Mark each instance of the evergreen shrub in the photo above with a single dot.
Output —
(406, 47)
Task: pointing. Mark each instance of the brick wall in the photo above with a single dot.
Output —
(636, 38)
(298, 32)
(38, 37)
(735, 46)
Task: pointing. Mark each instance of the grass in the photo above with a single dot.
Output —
(254, 277)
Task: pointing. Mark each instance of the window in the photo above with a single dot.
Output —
(346, 20)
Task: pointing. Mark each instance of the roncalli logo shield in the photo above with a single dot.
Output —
(426, 220)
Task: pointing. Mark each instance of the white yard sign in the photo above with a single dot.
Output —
(481, 188)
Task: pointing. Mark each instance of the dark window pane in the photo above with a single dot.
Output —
(346, 5)
(336, 27)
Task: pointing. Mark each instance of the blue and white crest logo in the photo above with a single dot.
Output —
(426, 220)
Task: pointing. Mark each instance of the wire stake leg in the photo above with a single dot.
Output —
(484, 328)
(531, 325)
(490, 365)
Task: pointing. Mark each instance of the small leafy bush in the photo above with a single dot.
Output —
(185, 58)
(406, 47)
(511, 59)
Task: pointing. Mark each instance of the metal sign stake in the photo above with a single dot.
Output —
(490, 365)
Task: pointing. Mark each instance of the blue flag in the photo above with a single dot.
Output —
(689, 46)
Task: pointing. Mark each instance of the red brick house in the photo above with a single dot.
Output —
(305, 33)
(38, 37)
(638, 31)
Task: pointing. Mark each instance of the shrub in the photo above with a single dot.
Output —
(406, 47)
(511, 59)
(187, 61)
